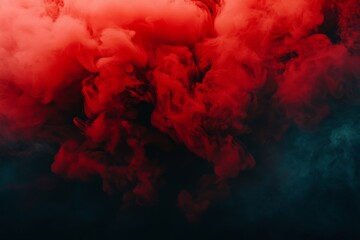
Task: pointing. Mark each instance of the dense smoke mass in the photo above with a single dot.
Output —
(181, 94)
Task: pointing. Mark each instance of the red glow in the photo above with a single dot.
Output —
(201, 72)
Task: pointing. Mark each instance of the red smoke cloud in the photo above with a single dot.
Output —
(200, 73)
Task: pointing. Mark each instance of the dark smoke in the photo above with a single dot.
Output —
(145, 94)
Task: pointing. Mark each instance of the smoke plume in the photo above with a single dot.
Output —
(121, 87)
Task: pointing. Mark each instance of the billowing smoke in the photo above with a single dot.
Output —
(110, 81)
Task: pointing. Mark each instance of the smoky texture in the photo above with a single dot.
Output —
(109, 80)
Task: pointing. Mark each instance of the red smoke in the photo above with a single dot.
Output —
(200, 73)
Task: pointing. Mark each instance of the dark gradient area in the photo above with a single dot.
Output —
(305, 187)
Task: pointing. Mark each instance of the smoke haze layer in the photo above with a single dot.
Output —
(142, 94)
